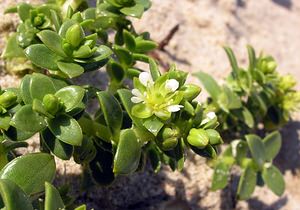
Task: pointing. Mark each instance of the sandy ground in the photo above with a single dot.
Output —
(205, 26)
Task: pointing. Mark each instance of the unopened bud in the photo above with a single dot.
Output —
(75, 35)
(51, 103)
(198, 138)
(214, 137)
(8, 99)
(191, 91)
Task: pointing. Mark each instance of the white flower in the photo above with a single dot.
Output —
(172, 85)
(174, 108)
(146, 79)
(138, 96)
(209, 116)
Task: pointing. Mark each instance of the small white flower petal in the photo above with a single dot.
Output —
(174, 108)
(172, 85)
(211, 115)
(137, 93)
(136, 100)
(146, 79)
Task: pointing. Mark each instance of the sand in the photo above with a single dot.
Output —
(205, 26)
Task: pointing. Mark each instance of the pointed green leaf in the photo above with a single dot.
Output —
(274, 179)
(129, 40)
(252, 58)
(247, 184)
(58, 148)
(272, 144)
(124, 56)
(70, 69)
(257, 148)
(232, 60)
(66, 129)
(41, 85)
(26, 119)
(53, 199)
(13, 197)
(30, 172)
(128, 153)
(153, 125)
(209, 84)
(71, 96)
(221, 176)
(136, 11)
(155, 73)
(12, 49)
(112, 111)
(52, 41)
(41, 56)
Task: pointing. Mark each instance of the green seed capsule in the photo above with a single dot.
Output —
(8, 99)
(75, 35)
(214, 137)
(168, 138)
(198, 138)
(271, 66)
(51, 103)
(191, 91)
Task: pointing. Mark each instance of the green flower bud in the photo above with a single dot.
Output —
(214, 137)
(168, 138)
(51, 103)
(267, 65)
(8, 99)
(287, 82)
(75, 35)
(198, 138)
(68, 49)
(190, 91)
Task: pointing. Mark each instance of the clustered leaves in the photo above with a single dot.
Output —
(155, 118)
(251, 100)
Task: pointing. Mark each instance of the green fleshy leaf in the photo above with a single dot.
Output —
(25, 89)
(4, 121)
(52, 41)
(232, 60)
(129, 40)
(13, 197)
(30, 172)
(41, 56)
(247, 184)
(274, 179)
(38, 107)
(58, 148)
(12, 49)
(53, 200)
(144, 46)
(66, 129)
(17, 135)
(71, 96)
(136, 11)
(24, 11)
(209, 84)
(155, 73)
(141, 111)
(221, 176)
(26, 119)
(153, 125)
(41, 85)
(112, 112)
(124, 56)
(272, 143)
(252, 58)
(70, 69)
(128, 153)
(257, 148)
